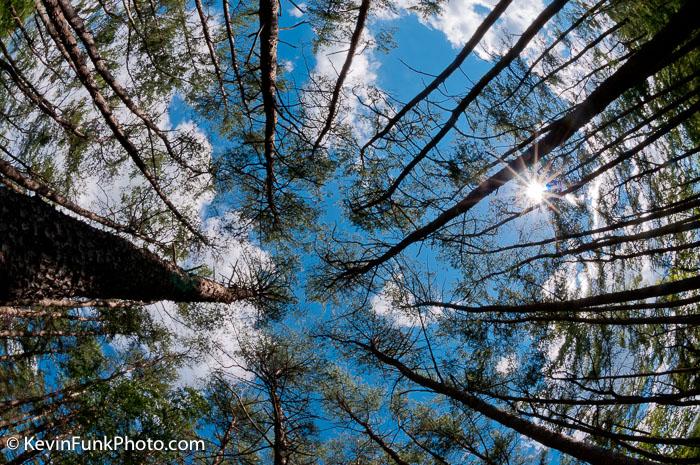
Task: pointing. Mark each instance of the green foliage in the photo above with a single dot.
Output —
(12, 12)
(338, 354)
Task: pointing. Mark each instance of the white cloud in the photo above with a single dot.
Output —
(384, 304)
(358, 83)
(330, 59)
(506, 364)
(214, 346)
(287, 65)
(297, 11)
(207, 350)
(458, 20)
(554, 347)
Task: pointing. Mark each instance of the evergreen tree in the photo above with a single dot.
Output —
(512, 275)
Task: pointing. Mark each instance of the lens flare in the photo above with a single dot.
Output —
(535, 191)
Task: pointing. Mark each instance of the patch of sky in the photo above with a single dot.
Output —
(421, 52)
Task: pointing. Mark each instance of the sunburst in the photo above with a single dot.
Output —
(536, 191)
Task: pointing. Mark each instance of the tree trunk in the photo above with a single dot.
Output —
(675, 40)
(586, 451)
(280, 446)
(46, 254)
(269, 30)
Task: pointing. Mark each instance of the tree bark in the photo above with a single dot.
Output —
(45, 254)
(269, 31)
(42, 189)
(602, 302)
(280, 446)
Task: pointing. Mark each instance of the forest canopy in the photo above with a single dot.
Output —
(369, 232)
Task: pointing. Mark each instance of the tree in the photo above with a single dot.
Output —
(264, 413)
(498, 266)
(47, 254)
(516, 297)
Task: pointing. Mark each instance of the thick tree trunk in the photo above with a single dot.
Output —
(269, 31)
(46, 254)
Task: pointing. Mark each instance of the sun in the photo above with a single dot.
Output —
(536, 191)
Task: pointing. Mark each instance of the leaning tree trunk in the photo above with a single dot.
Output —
(47, 254)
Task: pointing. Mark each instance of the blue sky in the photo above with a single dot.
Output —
(424, 44)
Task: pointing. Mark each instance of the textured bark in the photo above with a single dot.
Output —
(45, 254)
(81, 303)
(269, 32)
(7, 170)
(51, 334)
(280, 446)
(224, 442)
(25, 313)
(31, 354)
(52, 32)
